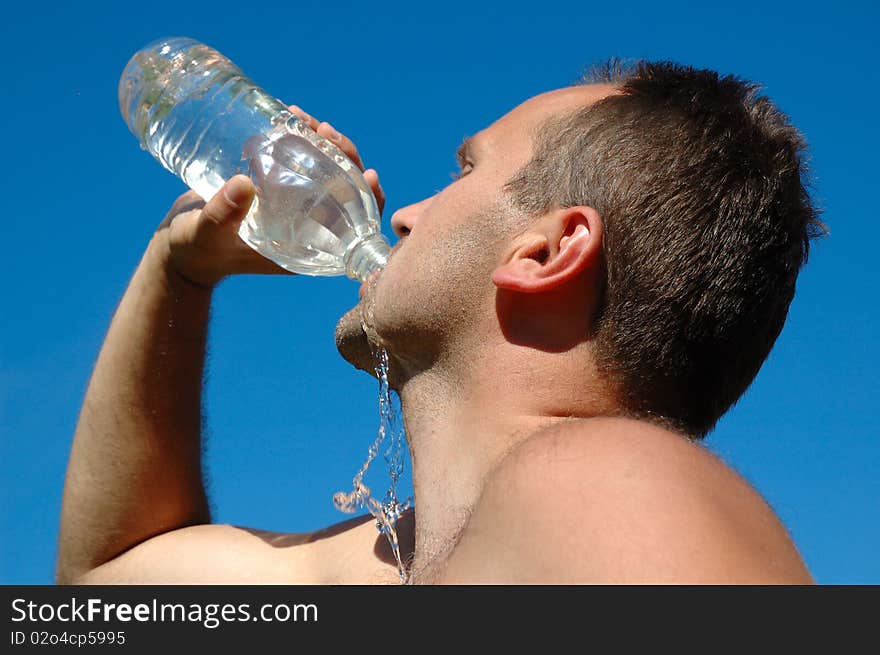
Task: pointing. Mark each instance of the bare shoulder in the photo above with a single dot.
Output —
(611, 500)
(349, 552)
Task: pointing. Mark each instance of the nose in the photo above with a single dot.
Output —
(404, 220)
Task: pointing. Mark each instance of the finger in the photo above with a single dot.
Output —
(311, 121)
(342, 142)
(372, 178)
(328, 132)
(231, 203)
(184, 203)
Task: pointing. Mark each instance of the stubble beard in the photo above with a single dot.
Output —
(359, 342)
(352, 341)
(412, 333)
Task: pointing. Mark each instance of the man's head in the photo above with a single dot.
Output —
(436, 298)
(670, 199)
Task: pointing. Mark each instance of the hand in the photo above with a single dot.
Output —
(199, 241)
(347, 146)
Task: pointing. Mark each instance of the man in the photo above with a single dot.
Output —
(565, 321)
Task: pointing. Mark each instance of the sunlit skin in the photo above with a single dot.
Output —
(523, 470)
(467, 314)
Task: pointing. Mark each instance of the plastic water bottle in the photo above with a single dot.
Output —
(198, 114)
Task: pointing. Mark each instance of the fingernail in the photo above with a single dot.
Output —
(332, 133)
(235, 192)
(296, 109)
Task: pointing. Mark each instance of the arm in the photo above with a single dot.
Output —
(135, 464)
(611, 501)
(134, 506)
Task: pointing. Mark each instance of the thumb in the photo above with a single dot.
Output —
(231, 203)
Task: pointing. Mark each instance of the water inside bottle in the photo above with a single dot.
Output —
(306, 214)
(205, 121)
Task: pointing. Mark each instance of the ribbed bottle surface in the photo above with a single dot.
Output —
(205, 121)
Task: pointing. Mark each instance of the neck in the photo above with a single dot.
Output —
(461, 421)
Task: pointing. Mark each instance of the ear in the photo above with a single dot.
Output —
(556, 250)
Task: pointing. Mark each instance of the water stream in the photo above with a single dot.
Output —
(388, 510)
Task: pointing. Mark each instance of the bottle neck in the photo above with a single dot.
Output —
(365, 256)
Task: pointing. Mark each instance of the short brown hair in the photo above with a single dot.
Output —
(700, 183)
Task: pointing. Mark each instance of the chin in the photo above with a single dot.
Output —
(352, 342)
(355, 348)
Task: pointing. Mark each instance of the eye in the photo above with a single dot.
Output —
(466, 168)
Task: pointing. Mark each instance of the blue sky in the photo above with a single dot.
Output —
(289, 421)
